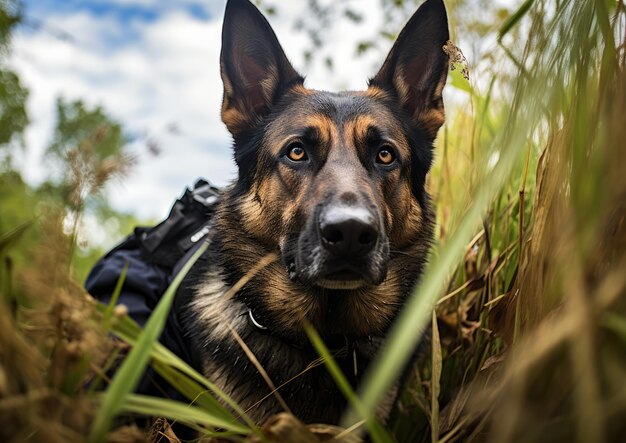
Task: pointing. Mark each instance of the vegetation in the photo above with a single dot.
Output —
(527, 281)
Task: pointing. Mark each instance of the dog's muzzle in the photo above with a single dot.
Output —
(343, 248)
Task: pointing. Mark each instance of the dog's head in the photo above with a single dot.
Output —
(335, 182)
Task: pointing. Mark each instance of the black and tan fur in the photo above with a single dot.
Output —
(351, 293)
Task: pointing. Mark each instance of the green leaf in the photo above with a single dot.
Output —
(129, 331)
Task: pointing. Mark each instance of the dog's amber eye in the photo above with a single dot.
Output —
(385, 156)
(296, 153)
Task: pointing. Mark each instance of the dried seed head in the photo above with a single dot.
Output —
(456, 57)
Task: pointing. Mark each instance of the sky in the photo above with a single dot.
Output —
(154, 66)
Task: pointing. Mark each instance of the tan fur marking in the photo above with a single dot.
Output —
(291, 306)
(232, 117)
(400, 84)
(327, 128)
(432, 120)
(376, 93)
(300, 89)
(359, 127)
(269, 83)
(252, 215)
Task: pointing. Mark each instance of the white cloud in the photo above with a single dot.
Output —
(168, 74)
(166, 71)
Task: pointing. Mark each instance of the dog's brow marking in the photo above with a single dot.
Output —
(356, 130)
(325, 126)
(353, 130)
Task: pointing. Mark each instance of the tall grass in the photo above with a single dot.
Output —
(524, 294)
(536, 262)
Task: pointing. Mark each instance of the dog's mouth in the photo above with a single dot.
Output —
(345, 280)
(336, 278)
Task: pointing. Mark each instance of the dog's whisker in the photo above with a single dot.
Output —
(406, 254)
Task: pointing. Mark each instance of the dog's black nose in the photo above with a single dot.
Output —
(348, 231)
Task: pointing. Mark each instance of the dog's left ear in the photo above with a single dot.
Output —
(416, 68)
(255, 70)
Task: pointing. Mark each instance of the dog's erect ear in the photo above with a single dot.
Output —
(416, 68)
(255, 70)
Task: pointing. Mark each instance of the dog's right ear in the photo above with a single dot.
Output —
(255, 70)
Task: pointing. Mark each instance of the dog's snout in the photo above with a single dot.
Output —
(348, 231)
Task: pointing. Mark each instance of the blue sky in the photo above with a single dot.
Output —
(120, 11)
(123, 11)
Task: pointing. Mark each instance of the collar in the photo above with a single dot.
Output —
(254, 322)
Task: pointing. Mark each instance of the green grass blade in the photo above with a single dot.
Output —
(134, 365)
(514, 18)
(459, 82)
(192, 390)
(435, 379)
(190, 415)
(8, 238)
(377, 432)
(108, 313)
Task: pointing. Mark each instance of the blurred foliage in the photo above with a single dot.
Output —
(10, 16)
(87, 150)
(88, 147)
(50, 334)
(13, 95)
(79, 127)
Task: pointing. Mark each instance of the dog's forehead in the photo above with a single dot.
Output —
(339, 106)
(308, 107)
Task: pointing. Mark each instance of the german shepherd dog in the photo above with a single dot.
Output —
(332, 185)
